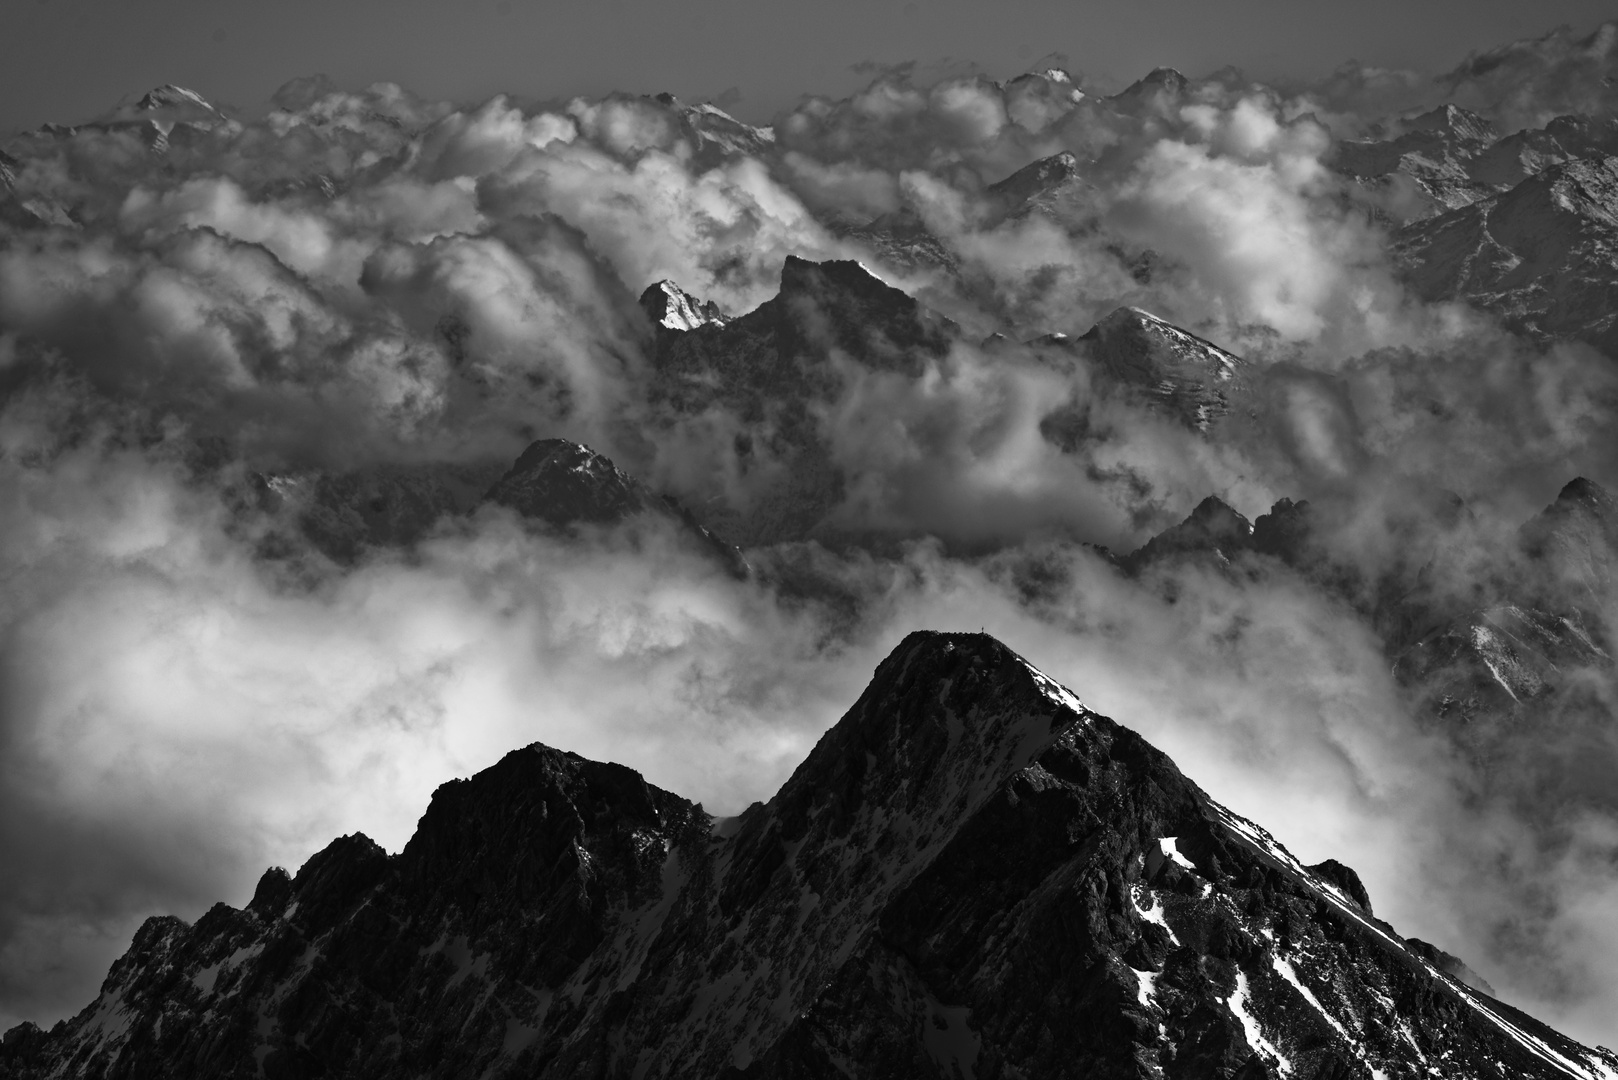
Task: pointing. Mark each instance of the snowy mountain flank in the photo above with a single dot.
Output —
(971, 875)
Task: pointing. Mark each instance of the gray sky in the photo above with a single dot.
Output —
(67, 60)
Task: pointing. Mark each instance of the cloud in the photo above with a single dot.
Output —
(1526, 83)
(188, 693)
(721, 234)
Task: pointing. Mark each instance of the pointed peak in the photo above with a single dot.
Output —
(1579, 497)
(1215, 511)
(1581, 490)
(565, 483)
(273, 893)
(671, 307)
(169, 96)
(1449, 964)
(802, 275)
(1212, 528)
(564, 451)
(1037, 177)
(1453, 120)
(1163, 80)
(946, 719)
(915, 661)
(1140, 322)
(1345, 879)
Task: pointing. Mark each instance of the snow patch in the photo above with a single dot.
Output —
(1587, 1069)
(1146, 990)
(1171, 852)
(1255, 1035)
(1056, 691)
(1284, 969)
(1153, 914)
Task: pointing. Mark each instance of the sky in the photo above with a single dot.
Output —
(435, 256)
(68, 60)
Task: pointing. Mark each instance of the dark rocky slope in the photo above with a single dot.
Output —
(970, 876)
(557, 483)
(1543, 255)
(1503, 652)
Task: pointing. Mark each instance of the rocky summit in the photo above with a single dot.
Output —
(971, 875)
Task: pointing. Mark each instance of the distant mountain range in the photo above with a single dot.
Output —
(972, 875)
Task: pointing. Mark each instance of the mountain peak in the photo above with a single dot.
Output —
(959, 712)
(1454, 120)
(799, 274)
(169, 96)
(1189, 376)
(966, 862)
(564, 482)
(1212, 528)
(1163, 81)
(1586, 492)
(842, 304)
(1035, 179)
(672, 308)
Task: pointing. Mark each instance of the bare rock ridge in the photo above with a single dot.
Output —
(971, 875)
(1434, 150)
(1508, 647)
(560, 483)
(781, 366)
(1213, 527)
(670, 307)
(1187, 376)
(566, 484)
(776, 367)
(1543, 255)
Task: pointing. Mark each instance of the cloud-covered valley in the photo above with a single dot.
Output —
(936, 355)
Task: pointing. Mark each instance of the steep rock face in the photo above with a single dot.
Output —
(1576, 539)
(1518, 156)
(1433, 152)
(1494, 661)
(1543, 256)
(1465, 661)
(389, 506)
(1516, 653)
(1173, 369)
(970, 875)
(566, 484)
(777, 369)
(1212, 529)
(670, 307)
(1037, 99)
(716, 134)
(21, 210)
(1037, 178)
(1149, 361)
(900, 239)
(563, 484)
(1159, 91)
(1054, 185)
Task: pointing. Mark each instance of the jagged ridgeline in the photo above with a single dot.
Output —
(972, 875)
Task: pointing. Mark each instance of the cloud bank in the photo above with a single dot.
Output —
(191, 690)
